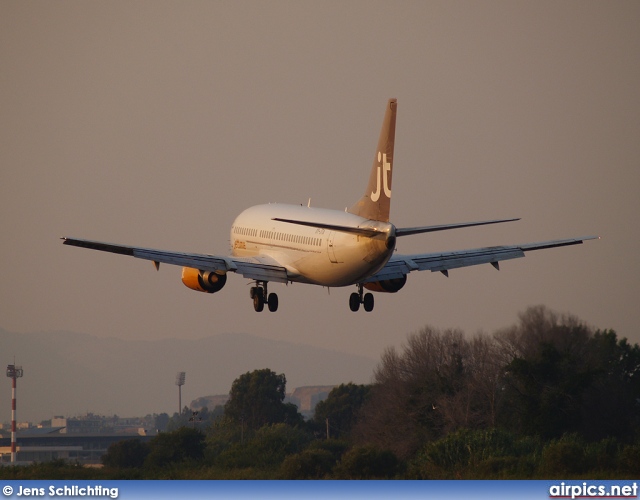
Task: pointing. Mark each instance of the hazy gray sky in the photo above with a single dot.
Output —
(156, 123)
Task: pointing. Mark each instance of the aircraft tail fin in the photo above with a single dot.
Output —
(375, 203)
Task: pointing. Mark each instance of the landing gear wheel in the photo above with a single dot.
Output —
(258, 299)
(354, 302)
(368, 302)
(272, 302)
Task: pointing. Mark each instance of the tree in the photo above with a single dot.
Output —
(256, 399)
(560, 378)
(440, 382)
(547, 370)
(546, 393)
(341, 408)
(611, 405)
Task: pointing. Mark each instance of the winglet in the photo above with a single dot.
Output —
(376, 201)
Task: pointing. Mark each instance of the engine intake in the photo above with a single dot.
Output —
(203, 281)
(388, 286)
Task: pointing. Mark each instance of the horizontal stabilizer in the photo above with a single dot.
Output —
(365, 231)
(406, 231)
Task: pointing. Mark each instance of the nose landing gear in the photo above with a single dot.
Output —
(357, 298)
(260, 296)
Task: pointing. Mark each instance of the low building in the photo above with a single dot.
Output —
(50, 443)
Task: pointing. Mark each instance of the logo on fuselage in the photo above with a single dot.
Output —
(386, 167)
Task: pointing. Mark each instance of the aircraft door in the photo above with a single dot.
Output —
(330, 247)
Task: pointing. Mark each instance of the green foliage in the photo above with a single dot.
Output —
(336, 447)
(602, 455)
(367, 462)
(504, 468)
(256, 399)
(127, 454)
(178, 420)
(268, 447)
(562, 378)
(55, 469)
(487, 451)
(467, 447)
(220, 436)
(200, 419)
(545, 398)
(629, 460)
(185, 444)
(341, 408)
(312, 463)
(563, 457)
(548, 390)
(610, 404)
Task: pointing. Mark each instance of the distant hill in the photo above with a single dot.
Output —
(71, 374)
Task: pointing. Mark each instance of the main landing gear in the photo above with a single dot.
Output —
(259, 296)
(357, 298)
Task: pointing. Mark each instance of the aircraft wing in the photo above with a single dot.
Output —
(261, 268)
(401, 265)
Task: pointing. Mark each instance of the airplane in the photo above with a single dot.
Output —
(331, 248)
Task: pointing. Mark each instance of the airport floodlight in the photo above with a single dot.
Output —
(180, 382)
(14, 371)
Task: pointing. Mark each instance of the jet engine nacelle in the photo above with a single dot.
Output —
(203, 281)
(389, 286)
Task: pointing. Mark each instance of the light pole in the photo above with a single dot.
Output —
(180, 382)
(13, 372)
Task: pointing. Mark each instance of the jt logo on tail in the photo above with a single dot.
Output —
(386, 167)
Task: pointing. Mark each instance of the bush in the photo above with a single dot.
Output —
(630, 460)
(504, 468)
(564, 456)
(468, 448)
(127, 454)
(602, 455)
(220, 437)
(480, 453)
(308, 464)
(337, 447)
(182, 445)
(267, 449)
(367, 462)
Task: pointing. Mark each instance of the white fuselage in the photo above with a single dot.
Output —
(311, 254)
